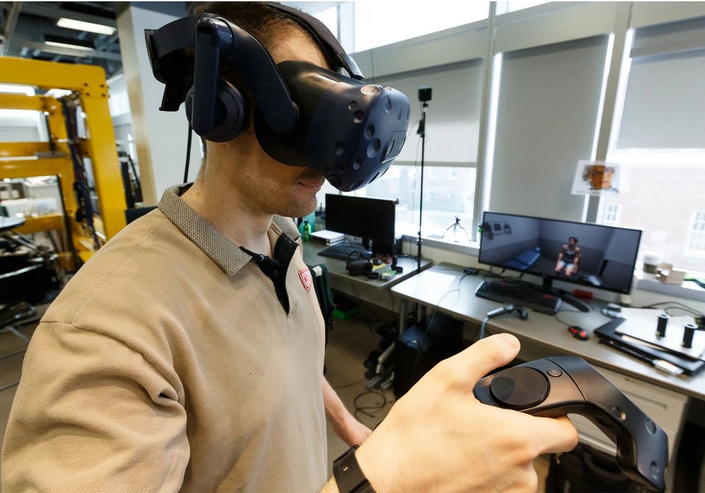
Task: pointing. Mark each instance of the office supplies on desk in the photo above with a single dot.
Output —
(608, 335)
(326, 237)
(656, 328)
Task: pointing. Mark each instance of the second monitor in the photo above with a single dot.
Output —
(370, 219)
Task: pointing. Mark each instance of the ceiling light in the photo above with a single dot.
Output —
(64, 42)
(85, 26)
(66, 45)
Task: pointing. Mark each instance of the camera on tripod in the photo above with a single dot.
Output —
(425, 94)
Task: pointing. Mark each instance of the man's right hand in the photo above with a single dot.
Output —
(438, 437)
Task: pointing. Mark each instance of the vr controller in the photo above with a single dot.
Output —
(561, 385)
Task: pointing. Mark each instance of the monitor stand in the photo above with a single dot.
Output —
(547, 287)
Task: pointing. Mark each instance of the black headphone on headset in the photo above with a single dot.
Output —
(305, 115)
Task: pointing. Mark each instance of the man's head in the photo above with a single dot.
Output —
(599, 176)
(268, 25)
(572, 241)
(299, 111)
(268, 185)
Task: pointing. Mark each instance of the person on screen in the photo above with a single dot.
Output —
(568, 258)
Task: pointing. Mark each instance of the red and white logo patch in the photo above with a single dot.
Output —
(306, 280)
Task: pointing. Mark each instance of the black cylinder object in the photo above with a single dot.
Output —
(661, 325)
(688, 333)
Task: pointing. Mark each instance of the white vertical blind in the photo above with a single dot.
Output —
(452, 116)
(664, 106)
(546, 119)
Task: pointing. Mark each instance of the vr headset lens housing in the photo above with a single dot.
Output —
(348, 131)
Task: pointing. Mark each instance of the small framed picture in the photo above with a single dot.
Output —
(596, 178)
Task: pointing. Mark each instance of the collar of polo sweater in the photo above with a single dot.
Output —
(229, 256)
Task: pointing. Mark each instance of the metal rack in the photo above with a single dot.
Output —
(89, 91)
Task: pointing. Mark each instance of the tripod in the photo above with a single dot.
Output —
(456, 225)
(422, 132)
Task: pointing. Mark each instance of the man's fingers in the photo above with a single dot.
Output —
(556, 435)
(484, 356)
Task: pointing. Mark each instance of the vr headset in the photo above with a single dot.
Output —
(305, 115)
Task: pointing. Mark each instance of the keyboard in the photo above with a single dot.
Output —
(343, 251)
(513, 292)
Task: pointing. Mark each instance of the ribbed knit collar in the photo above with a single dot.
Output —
(220, 249)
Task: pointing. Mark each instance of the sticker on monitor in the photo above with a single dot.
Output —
(596, 178)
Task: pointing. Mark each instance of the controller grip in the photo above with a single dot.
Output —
(561, 385)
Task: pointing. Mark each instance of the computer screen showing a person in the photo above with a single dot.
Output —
(587, 254)
(369, 219)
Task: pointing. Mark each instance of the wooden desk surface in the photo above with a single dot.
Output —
(336, 267)
(445, 287)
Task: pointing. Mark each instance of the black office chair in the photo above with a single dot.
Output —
(321, 284)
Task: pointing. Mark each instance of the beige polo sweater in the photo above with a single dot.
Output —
(168, 364)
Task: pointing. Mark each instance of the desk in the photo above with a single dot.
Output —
(663, 397)
(340, 276)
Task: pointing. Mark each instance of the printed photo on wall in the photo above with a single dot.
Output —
(596, 178)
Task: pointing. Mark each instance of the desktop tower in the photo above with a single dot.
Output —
(421, 347)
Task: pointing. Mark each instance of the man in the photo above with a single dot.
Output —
(187, 355)
(568, 258)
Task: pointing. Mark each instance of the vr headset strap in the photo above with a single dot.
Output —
(325, 39)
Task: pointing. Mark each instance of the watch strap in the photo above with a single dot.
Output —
(348, 475)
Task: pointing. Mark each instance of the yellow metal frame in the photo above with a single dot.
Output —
(88, 83)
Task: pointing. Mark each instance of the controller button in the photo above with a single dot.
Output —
(519, 388)
(650, 426)
(618, 413)
(554, 372)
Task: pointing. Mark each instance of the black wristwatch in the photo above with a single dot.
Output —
(349, 476)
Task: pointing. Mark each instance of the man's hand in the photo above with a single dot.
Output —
(438, 437)
(351, 431)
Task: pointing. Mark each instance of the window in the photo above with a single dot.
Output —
(382, 23)
(695, 244)
(610, 214)
(452, 136)
(329, 17)
(444, 200)
(660, 141)
(513, 6)
(545, 122)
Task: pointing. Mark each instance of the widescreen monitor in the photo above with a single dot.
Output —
(599, 256)
(370, 219)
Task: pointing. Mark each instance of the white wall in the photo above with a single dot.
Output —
(160, 137)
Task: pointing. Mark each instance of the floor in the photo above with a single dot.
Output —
(349, 344)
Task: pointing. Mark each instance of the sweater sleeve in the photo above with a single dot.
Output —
(90, 415)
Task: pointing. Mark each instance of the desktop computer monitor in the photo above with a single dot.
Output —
(370, 219)
(606, 255)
